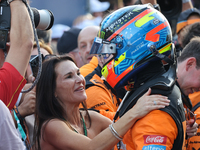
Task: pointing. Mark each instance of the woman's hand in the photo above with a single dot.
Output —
(148, 102)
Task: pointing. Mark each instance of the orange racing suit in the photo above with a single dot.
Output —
(162, 129)
(194, 142)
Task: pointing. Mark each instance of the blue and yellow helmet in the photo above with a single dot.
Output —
(135, 35)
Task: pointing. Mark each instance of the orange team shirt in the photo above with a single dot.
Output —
(100, 98)
(157, 130)
(89, 68)
(194, 142)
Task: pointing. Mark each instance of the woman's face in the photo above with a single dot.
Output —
(70, 84)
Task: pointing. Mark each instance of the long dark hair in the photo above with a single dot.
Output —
(47, 106)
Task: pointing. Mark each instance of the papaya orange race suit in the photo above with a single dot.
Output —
(194, 142)
(162, 129)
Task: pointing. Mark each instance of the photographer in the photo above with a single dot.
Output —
(18, 51)
(12, 70)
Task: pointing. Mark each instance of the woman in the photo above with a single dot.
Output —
(59, 122)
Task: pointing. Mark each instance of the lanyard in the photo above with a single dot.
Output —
(19, 127)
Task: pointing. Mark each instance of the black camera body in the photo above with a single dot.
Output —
(5, 16)
(43, 20)
(34, 64)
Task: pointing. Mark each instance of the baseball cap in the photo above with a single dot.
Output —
(97, 6)
(183, 18)
(68, 41)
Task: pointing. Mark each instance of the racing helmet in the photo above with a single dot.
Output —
(134, 35)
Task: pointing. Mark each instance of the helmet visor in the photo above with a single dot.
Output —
(102, 47)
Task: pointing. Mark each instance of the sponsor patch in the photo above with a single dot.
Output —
(154, 147)
(155, 139)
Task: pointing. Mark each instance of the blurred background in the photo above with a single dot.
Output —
(66, 11)
(82, 13)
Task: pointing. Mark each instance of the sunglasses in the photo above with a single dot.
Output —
(190, 115)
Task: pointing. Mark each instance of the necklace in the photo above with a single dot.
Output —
(72, 128)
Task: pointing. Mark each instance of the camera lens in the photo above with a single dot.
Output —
(43, 18)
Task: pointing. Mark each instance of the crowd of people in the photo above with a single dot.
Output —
(124, 83)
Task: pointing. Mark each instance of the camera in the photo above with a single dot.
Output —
(43, 20)
(34, 64)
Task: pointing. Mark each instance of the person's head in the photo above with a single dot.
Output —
(189, 32)
(186, 18)
(60, 77)
(57, 31)
(68, 44)
(189, 67)
(45, 49)
(60, 88)
(85, 40)
(137, 36)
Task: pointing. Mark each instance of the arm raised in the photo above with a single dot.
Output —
(21, 37)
